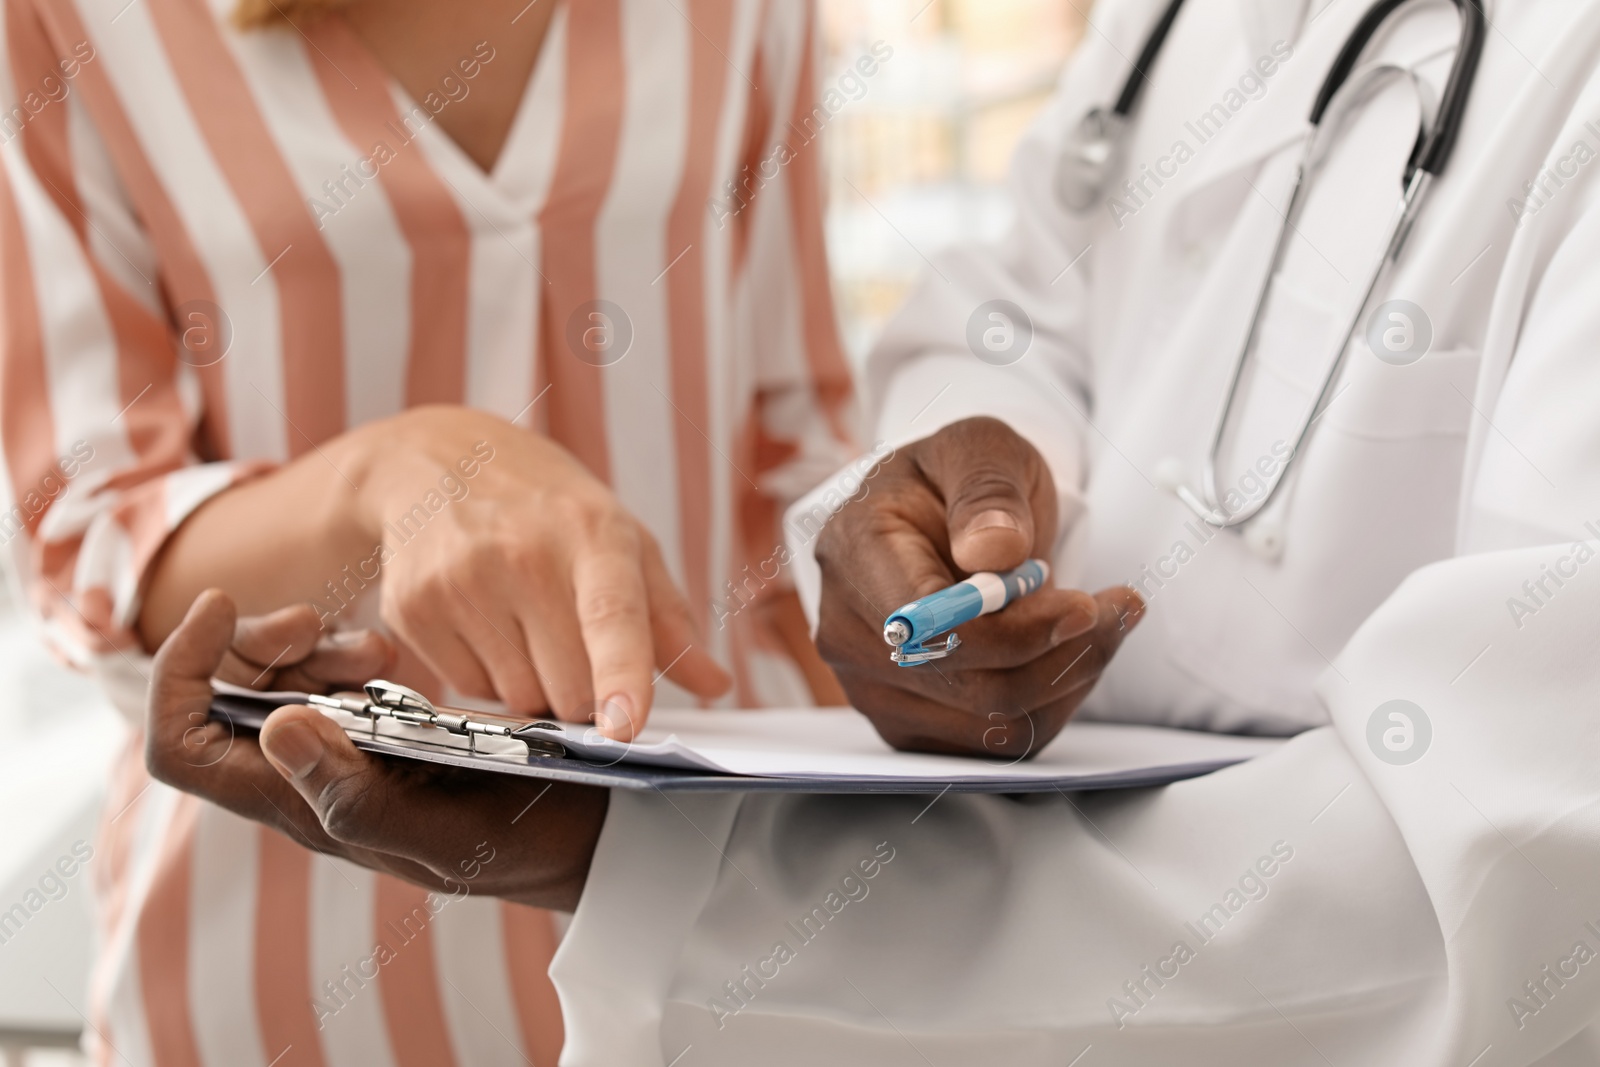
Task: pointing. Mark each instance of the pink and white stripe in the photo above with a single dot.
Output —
(178, 169)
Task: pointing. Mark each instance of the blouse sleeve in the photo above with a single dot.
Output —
(100, 393)
(802, 426)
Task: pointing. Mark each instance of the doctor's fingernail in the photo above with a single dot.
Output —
(1080, 619)
(347, 638)
(994, 519)
(614, 712)
(294, 747)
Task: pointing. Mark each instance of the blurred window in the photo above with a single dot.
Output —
(918, 162)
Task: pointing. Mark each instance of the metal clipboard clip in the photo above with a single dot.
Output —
(390, 700)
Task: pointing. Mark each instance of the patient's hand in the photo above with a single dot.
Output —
(536, 587)
(974, 496)
(439, 828)
(506, 566)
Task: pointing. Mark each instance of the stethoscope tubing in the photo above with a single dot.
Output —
(1134, 86)
(1434, 151)
(1430, 154)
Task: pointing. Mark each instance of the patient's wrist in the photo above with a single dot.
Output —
(390, 467)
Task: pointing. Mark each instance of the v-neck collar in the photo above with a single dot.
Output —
(521, 171)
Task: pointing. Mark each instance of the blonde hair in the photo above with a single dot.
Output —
(256, 14)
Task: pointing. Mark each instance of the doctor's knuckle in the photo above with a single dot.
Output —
(1089, 662)
(159, 761)
(837, 654)
(986, 482)
(994, 695)
(348, 810)
(834, 544)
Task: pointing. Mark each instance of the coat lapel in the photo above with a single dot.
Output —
(1259, 128)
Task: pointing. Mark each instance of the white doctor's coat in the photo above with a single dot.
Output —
(1326, 904)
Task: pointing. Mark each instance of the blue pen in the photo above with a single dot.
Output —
(920, 621)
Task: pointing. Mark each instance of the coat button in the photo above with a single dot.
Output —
(1264, 537)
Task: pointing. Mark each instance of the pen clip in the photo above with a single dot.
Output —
(915, 653)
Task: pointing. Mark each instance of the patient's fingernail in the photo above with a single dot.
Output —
(614, 712)
(295, 747)
(347, 638)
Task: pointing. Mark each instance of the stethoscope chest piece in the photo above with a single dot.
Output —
(1088, 160)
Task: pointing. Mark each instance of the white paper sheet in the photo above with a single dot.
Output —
(819, 745)
(840, 743)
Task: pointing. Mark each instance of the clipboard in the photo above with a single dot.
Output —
(398, 723)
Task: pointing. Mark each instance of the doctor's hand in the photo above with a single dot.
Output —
(516, 574)
(973, 497)
(448, 831)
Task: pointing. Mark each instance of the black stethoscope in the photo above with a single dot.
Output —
(1091, 158)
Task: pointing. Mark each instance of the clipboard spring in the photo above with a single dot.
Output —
(390, 700)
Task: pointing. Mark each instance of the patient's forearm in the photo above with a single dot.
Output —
(532, 585)
(272, 541)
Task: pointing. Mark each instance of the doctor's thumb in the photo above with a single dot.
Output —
(991, 522)
(342, 784)
(993, 538)
(999, 499)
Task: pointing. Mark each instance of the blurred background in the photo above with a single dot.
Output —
(57, 738)
(919, 161)
(915, 164)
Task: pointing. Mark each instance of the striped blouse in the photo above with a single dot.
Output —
(220, 249)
